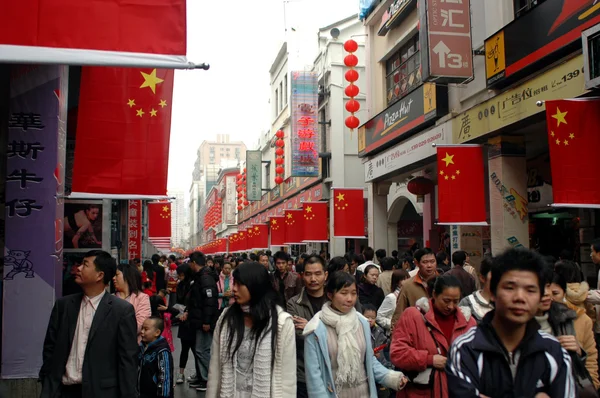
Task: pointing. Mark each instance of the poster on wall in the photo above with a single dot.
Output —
(83, 225)
(305, 126)
(71, 261)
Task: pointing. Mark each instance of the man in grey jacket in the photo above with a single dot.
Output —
(304, 306)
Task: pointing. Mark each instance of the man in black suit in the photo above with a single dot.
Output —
(91, 347)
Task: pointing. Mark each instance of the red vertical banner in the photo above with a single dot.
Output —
(277, 226)
(250, 238)
(243, 240)
(261, 236)
(294, 229)
(134, 229)
(316, 227)
(159, 224)
(348, 211)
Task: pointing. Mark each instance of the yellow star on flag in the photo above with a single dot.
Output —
(449, 159)
(557, 142)
(140, 112)
(446, 177)
(131, 103)
(165, 208)
(256, 228)
(340, 197)
(552, 134)
(566, 142)
(309, 209)
(162, 103)
(441, 172)
(151, 80)
(457, 172)
(571, 136)
(560, 117)
(153, 112)
(454, 177)
(289, 215)
(273, 222)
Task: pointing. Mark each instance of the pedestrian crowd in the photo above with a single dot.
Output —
(422, 324)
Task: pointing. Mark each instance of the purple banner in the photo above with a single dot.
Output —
(33, 249)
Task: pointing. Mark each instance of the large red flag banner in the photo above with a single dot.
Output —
(124, 29)
(261, 236)
(159, 224)
(277, 225)
(574, 139)
(316, 227)
(250, 237)
(461, 185)
(242, 241)
(123, 130)
(134, 229)
(348, 213)
(294, 230)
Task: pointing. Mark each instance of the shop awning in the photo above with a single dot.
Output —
(142, 33)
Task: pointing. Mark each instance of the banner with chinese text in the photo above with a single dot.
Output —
(305, 125)
(134, 229)
(254, 175)
(33, 235)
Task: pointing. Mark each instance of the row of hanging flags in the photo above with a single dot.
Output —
(300, 226)
(573, 138)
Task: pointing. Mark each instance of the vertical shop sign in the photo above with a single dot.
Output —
(230, 204)
(134, 229)
(305, 136)
(449, 58)
(34, 213)
(254, 175)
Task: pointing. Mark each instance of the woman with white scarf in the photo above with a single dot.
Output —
(253, 353)
(337, 348)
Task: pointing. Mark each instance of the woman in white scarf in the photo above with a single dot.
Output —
(253, 353)
(338, 348)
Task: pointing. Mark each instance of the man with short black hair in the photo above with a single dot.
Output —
(91, 347)
(304, 306)
(264, 260)
(468, 286)
(202, 314)
(369, 254)
(416, 287)
(380, 254)
(507, 354)
(285, 281)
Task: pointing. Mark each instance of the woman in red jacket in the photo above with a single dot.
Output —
(423, 335)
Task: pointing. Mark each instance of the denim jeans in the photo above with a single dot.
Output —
(202, 350)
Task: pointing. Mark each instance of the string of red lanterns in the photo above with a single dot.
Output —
(241, 190)
(279, 161)
(352, 90)
(214, 214)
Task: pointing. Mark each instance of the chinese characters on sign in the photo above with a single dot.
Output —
(134, 229)
(305, 126)
(450, 56)
(254, 175)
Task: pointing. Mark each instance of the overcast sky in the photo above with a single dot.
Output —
(239, 39)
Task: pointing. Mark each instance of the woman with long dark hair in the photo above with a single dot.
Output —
(128, 284)
(253, 351)
(338, 352)
(149, 277)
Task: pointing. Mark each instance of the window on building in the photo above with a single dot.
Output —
(211, 149)
(523, 6)
(282, 95)
(228, 149)
(403, 71)
(285, 90)
(268, 175)
(276, 102)
(237, 153)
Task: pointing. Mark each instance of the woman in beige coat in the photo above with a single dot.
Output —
(253, 352)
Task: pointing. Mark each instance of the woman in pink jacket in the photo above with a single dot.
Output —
(128, 283)
(423, 335)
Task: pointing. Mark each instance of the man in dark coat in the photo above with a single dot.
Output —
(90, 348)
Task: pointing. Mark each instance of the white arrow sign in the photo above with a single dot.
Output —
(442, 50)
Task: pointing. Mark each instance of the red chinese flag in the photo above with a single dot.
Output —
(316, 228)
(461, 189)
(261, 236)
(348, 213)
(574, 139)
(123, 129)
(250, 238)
(294, 230)
(141, 26)
(277, 225)
(159, 224)
(232, 243)
(242, 241)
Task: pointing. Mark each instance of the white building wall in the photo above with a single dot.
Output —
(177, 217)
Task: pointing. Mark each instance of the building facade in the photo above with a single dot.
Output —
(178, 220)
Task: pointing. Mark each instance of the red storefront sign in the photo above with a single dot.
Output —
(134, 229)
(448, 27)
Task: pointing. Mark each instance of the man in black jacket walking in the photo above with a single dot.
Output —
(507, 355)
(202, 313)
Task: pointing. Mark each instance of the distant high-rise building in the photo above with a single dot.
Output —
(178, 220)
(212, 156)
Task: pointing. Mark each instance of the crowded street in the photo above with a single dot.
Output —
(300, 199)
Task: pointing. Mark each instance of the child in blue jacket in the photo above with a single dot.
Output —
(155, 372)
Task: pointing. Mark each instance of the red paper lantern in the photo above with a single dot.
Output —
(279, 152)
(244, 172)
(246, 203)
(279, 170)
(350, 60)
(239, 176)
(280, 143)
(350, 46)
(239, 208)
(279, 161)
(278, 180)
(352, 122)
(240, 201)
(351, 75)
(352, 106)
(420, 186)
(351, 90)
(279, 134)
